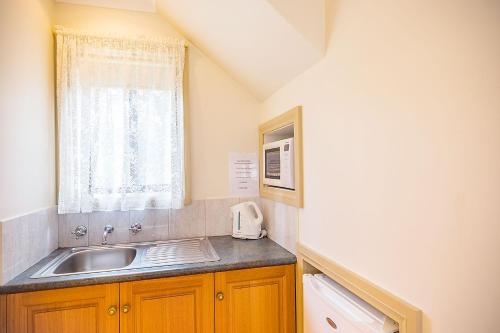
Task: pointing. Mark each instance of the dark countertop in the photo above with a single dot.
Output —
(233, 253)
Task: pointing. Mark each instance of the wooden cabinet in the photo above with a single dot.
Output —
(260, 300)
(172, 305)
(3, 313)
(91, 309)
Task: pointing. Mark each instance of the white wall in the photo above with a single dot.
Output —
(27, 162)
(223, 115)
(402, 153)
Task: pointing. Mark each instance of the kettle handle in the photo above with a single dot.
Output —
(257, 210)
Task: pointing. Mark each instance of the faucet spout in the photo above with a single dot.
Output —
(107, 230)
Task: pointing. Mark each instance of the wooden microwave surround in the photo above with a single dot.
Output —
(240, 301)
(408, 317)
(289, 197)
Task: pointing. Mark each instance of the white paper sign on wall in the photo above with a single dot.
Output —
(243, 174)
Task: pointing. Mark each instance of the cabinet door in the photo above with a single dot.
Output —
(72, 310)
(259, 300)
(3, 313)
(172, 305)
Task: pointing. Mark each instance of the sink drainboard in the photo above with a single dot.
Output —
(180, 252)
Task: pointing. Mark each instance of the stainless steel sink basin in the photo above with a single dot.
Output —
(95, 259)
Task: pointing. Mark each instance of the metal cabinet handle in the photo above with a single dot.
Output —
(220, 296)
(126, 308)
(112, 310)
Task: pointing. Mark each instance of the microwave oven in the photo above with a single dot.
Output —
(278, 164)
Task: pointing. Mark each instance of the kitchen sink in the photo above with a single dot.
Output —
(94, 259)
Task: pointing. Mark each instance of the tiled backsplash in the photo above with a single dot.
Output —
(219, 219)
(209, 217)
(281, 222)
(25, 240)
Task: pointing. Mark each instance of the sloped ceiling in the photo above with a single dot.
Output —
(261, 43)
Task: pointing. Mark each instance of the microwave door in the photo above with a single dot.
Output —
(273, 166)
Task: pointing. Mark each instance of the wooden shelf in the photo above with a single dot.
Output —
(287, 125)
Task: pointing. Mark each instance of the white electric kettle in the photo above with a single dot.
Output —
(247, 221)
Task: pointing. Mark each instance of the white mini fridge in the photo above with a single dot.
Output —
(330, 308)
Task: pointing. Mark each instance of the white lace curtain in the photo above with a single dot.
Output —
(121, 129)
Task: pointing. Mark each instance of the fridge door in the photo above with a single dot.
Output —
(327, 310)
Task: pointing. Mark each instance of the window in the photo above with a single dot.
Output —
(121, 123)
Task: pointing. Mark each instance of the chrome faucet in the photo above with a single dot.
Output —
(107, 230)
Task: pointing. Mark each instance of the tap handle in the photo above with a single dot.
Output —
(135, 228)
(79, 231)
